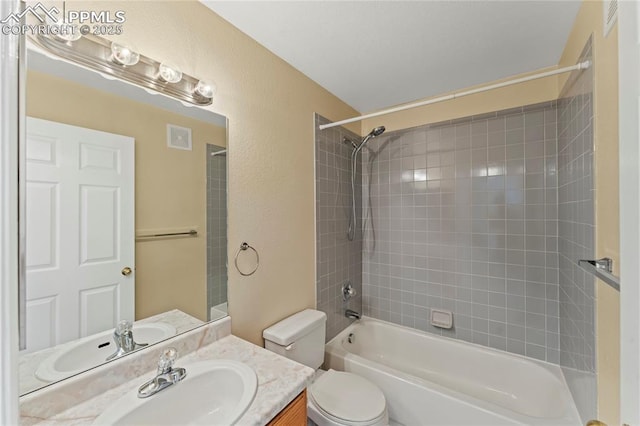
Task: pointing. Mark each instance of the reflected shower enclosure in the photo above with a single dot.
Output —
(216, 232)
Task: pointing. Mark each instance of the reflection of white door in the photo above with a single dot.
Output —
(80, 231)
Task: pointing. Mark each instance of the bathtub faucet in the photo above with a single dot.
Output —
(351, 314)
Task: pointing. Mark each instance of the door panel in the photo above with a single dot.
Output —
(41, 312)
(42, 220)
(99, 309)
(80, 231)
(41, 149)
(99, 227)
(629, 107)
(99, 158)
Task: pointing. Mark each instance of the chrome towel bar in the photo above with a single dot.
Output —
(602, 269)
(190, 233)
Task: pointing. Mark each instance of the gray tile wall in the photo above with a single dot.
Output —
(216, 227)
(462, 215)
(337, 259)
(576, 220)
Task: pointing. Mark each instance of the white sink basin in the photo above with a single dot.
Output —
(216, 392)
(90, 351)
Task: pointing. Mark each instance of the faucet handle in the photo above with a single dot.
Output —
(123, 327)
(348, 291)
(167, 359)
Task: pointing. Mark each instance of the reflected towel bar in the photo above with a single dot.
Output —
(190, 233)
(601, 268)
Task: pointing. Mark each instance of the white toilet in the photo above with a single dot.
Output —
(335, 398)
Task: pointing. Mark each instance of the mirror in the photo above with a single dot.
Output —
(126, 195)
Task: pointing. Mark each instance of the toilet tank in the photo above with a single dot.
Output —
(299, 337)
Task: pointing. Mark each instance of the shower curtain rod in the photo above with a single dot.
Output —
(581, 66)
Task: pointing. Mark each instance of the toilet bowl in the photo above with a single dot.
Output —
(335, 398)
(338, 398)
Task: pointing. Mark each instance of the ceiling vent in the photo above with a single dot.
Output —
(610, 15)
(178, 137)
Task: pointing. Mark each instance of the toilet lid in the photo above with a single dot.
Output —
(348, 396)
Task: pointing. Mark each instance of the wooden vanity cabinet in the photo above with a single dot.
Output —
(294, 414)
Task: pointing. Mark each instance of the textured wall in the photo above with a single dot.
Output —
(463, 216)
(338, 259)
(216, 227)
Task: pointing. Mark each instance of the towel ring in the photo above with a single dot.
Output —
(243, 247)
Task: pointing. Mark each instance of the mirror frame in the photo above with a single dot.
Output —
(12, 88)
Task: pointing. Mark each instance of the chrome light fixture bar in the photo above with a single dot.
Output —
(119, 60)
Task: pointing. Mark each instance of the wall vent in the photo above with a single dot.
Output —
(610, 15)
(179, 137)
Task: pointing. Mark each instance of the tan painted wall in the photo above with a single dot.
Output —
(605, 51)
(270, 109)
(170, 186)
(532, 92)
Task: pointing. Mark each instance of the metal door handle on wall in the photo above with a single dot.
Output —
(243, 247)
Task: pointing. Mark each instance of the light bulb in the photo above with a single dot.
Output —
(205, 89)
(169, 73)
(124, 55)
(69, 32)
(63, 30)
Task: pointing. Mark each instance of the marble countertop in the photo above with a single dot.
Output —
(29, 362)
(280, 380)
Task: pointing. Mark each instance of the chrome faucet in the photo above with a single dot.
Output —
(348, 291)
(123, 337)
(351, 314)
(165, 376)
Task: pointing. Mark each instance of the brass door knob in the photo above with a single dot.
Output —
(126, 271)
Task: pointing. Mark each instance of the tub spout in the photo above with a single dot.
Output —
(351, 314)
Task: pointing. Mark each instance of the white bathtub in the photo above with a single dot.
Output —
(433, 380)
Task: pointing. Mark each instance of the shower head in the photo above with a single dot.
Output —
(358, 146)
(377, 131)
(372, 134)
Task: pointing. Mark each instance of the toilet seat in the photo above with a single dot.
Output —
(347, 398)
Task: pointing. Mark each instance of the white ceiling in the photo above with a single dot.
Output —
(374, 54)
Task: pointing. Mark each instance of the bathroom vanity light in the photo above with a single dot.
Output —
(170, 74)
(205, 89)
(65, 31)
(124, 62)
(124, 55)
